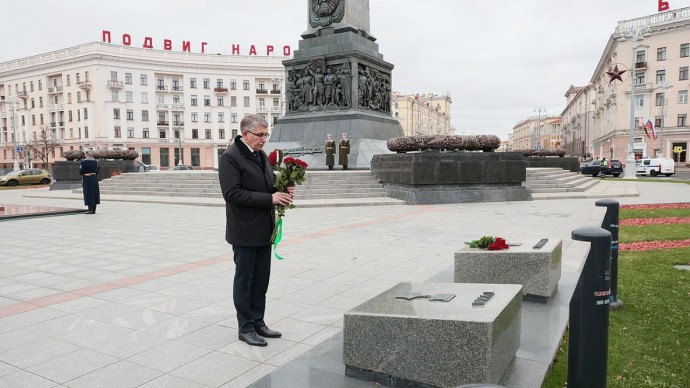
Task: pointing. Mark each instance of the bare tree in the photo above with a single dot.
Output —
(43, 147)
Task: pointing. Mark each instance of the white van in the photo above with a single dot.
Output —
(655, 166)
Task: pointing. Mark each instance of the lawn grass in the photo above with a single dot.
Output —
(653, 213)
(659, 232)
(649, 338)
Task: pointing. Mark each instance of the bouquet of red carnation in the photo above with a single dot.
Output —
(289, 172)
(498, 244)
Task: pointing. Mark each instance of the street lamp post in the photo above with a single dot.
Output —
(663, 85)
(635, 35)
(537, 130)
(179, 151)
(13, 100)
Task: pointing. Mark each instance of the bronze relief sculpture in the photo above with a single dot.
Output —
(326, 12)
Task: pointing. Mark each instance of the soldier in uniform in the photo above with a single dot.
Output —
(88, 169)
(343, 151)
(330, 151)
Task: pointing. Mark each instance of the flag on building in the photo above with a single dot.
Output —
(650, 126)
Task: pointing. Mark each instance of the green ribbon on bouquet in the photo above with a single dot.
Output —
(278, 236)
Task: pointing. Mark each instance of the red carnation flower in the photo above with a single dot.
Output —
(288, 160)
(301, 163)
(274, 157)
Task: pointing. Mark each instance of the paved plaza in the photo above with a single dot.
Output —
(140, 294)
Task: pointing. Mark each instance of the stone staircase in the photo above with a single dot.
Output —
(556, 180)
(318, 185)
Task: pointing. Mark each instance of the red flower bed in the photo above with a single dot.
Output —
(658, 206)
(650, 245)
(654, 221)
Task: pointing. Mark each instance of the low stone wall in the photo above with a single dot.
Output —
(571, 164)
(433, 177)
(66, 173)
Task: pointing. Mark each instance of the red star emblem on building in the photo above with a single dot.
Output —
(615, 74)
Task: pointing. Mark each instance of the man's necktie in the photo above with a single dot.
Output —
(256, 155)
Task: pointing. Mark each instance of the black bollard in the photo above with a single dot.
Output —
(589, 313)
(610, 223)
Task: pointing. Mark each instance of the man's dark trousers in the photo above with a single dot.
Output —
(252, 273)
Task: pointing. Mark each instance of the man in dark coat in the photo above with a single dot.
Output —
(343, 151)
(88, 169)
(247, 183)
(330, 151)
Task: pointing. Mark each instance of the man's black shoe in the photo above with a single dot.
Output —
(252, 339)
(264, 331)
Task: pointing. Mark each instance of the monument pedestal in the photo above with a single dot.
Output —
(432, 343)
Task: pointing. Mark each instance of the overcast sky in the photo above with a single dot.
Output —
(499, 60)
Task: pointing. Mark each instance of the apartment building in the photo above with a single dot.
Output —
(645, 69)
(425, 114)
(170, 107)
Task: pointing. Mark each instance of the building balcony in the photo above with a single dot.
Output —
(161, 88)
(272, 109)
(276, 91)
(177, 106)
(162, 106)
(55, 90)
(115, 84)
(165, 141)
(163, 123)
(178, 124)
(261, 91)
(221, 91)
(23, 94)
(56, 107)
(177, 89)
(53, 124)
(640, 65)
(84, 85)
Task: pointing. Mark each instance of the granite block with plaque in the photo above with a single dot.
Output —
(396, 340)
(538, 270)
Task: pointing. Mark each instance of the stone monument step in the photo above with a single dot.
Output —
(582, 187)
(558, 180)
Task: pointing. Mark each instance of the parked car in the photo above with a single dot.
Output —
(655, 166)
(181, 168)
(33, 176)
(598, 167)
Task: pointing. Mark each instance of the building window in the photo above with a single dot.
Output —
(40, 102)
(41, 118)
(208, 133)
(221, 133)
(195, 133)
(233, 118)
(161, 134)
(660, 76)
(276, 103)
(661, 54)
(659, 99)
(86, 133)
(145, 133)
(245, 84)
(684, 52)
(176, 85)
(31, 86)
(165, 157)
(161, 84)
(192, 83)
(207, 83)
(33, 103)
(682, 119)
(262, 103)
(116, 113)
(194, 101)
(128, 96)
(40, 84)
(130, 115)
(262, 87)
(144, 98)
(207, 117)
(234, 133)
(233, 85)
(69, 115)
(114, 96)
(683, 73)
(657, 121)
(233, 101)
(683, 97)
(195, 117)
(221, 117)
(207, 100)
(130, 133)
(144, 115)
(220, 101)
(68, 79)
(246, 102)
(219, 83)
(117, 132)
(276, 87)
(639, 101)
(128, 78)
(113, 76)
(144, 80)
(195, 157)
(146, 155)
